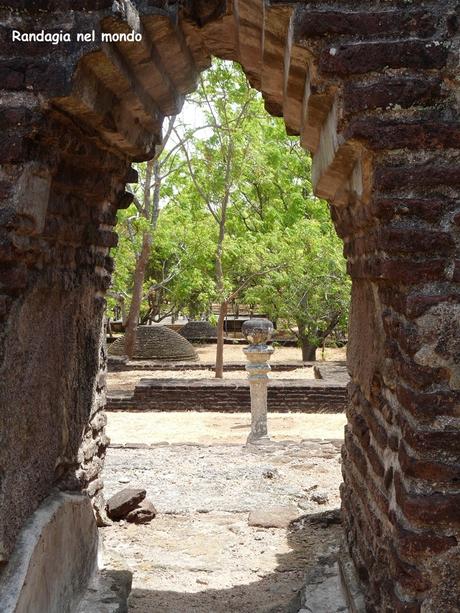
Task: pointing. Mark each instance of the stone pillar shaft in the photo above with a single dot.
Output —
(258, 332)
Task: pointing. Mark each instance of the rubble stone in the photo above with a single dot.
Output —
(142, 514)
(123, 502)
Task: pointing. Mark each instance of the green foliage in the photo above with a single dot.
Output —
(280, 249)
(311, 290)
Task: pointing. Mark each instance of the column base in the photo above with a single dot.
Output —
(257, 440)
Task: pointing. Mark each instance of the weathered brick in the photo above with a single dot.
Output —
(426, 406)
(410, 578)
(431, 441)
(418, 304)
(426, 209)
(417, 376)
(13, 276)
(312, 24)
(456, 273)
(386, 91)
(435, 509)
(418, 545)
(345, 60)
(5, 303)
(375, 461)
(404, 134)
(412, 271)
(124, 200)
(13, 146)
(420, 468)
(102, 238)
(420, 176)
(405, 271)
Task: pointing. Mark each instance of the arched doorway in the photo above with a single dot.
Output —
(372, 92)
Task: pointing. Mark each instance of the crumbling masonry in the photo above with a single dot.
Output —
(373, 90)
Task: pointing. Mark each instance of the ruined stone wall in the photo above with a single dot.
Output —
(372, 90)
(399, 222)
(55, 219)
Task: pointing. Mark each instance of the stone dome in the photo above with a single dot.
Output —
(198, 330)
(156, 343)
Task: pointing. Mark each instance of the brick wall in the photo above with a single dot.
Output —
(229, 396)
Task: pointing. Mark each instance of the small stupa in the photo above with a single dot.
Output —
(156, 343)
(199, 331)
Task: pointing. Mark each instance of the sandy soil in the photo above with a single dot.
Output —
(218, 428)
(200, 555)
(127, 380)
(234, 353)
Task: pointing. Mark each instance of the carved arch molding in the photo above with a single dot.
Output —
(372, 89)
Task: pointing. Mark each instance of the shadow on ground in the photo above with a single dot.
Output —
(312, 538)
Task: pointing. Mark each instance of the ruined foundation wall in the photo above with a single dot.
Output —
(372, 90)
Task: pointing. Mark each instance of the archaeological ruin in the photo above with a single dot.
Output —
(156, 343)
(196, 331)
(372, 88)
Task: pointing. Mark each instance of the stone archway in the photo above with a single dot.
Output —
(372, 90)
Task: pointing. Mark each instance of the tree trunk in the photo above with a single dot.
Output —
(220, 290)
(308, 350)
(141, 265)
(124, 315)
(220, 286)
(134, 309)
(220, 340)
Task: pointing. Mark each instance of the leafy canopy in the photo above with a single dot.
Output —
(280, 246)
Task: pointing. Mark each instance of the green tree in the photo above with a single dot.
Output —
(239, 221)
(310, 294)
(148, 209)
(215, 164)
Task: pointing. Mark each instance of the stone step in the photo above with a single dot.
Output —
(230, 395)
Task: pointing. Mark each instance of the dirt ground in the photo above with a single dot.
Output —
(212, 428)
(200, 555)
(127, 380)
(234, 353)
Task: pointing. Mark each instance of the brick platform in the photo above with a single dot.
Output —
(229, 396)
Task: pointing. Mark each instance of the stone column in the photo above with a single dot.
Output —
(258, 332)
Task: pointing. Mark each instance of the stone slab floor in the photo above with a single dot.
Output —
(200, 554)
